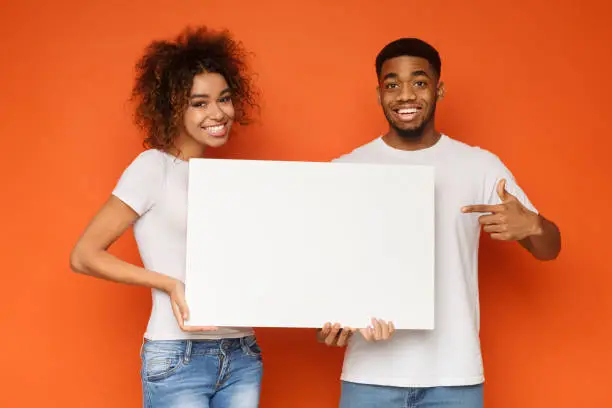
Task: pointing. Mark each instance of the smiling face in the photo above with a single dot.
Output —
(408, 91)
(210, 112)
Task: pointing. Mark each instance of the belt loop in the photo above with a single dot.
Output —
(188, 347)
(243, 345)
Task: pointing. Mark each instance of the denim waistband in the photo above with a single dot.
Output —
(198, 346)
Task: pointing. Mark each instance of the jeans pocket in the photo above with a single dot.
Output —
(158, 364)
(251, 348)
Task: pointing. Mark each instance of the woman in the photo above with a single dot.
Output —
(188, 94)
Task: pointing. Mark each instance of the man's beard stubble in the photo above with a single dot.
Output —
(416, 133)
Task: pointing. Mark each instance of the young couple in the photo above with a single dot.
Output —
(189, 92)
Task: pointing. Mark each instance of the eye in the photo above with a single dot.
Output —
(391, 85)
(199, 104)
(420, 84)
(225, 99)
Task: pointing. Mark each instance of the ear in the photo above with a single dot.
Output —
(378, 95)
(441, 91)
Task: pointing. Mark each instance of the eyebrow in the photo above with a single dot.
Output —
(226, 90)
(393, 75)
(420, 73)
(390, 75)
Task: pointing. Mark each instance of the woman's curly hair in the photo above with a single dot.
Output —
(164, 77)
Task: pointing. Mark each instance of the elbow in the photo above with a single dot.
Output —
(78, 260)
(548, 246)
(549, 255)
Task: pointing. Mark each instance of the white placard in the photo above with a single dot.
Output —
(298, 244)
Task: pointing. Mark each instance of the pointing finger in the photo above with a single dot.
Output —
(482, 208)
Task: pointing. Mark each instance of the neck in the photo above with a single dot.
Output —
(428, 138)
(186, 148)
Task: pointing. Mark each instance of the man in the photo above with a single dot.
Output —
(441, 367)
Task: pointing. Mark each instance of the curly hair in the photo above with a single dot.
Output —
(164, 77)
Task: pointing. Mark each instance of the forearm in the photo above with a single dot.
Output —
(101, 264)
(545, 242)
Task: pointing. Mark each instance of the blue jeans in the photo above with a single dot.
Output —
(201, 373)
(375, 396)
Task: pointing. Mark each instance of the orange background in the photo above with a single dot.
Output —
(527, 80)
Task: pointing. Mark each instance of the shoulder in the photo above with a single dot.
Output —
(150, 163)
(475, 155)
(363, 152)
(147, 167)
(152, 157)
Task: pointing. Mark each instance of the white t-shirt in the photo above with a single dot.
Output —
(450, 354)
(155, 186)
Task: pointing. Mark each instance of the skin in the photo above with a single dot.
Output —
(206, 123)
(408, 92)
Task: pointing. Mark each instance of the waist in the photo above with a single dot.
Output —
(200, 346)
(162, 324)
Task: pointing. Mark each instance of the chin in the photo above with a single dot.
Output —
(413, 132)
(409, 129)
(216, 142)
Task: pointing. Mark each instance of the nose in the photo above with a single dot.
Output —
(215, 112)
(406, 94)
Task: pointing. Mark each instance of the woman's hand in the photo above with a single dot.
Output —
(180, 308)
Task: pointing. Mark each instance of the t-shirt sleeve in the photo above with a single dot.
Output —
(141, 182)
(496, 172)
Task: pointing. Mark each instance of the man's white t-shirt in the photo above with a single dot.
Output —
(450, 354)
(155, 186)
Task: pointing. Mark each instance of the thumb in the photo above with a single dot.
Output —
(182, 306)
(367, 333)
(501, 190)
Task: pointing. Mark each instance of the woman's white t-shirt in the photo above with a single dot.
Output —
(155, 186)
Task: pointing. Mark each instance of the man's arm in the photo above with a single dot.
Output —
(512, 221)
(545, 241)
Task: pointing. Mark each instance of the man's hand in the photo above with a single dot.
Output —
(338, 336)
(508, 221)
(378, 331)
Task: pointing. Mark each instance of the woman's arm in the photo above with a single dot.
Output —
(90, 256)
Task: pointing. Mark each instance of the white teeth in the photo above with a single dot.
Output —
(404, 111)
(217, 128)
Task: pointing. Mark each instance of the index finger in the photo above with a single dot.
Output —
(482, 208)
(345, 334)
(331, 336)
(386, 330)
(199, 328)
(177, 314)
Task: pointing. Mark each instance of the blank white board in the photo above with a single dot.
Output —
(298, 244)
